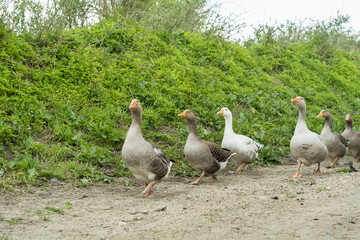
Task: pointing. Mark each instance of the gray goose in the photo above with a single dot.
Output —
(306, 146)
(205, 156)
(336, 143)
(353, 138)
(147, 162)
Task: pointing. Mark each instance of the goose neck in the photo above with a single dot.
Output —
(136, 121)
(301, 123)
(349, 126)
(228, 124)
(192, 127)
(327, 124)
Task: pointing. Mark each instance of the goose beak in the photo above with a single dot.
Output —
(183, 114)
(347, 117)
(132, 104)
(221, 112)
(295, 100)
(320, 115)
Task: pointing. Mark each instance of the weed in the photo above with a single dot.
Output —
(68, 205)
(344, 170)
(54, 209)
(6, 183)
(127, 183)
(5, 238)
(85, 182)
(39, 212)
(14, 221)
(322, 189)
(289, 195)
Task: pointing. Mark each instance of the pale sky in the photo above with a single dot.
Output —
(255, 12)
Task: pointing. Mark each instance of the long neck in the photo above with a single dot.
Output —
(349, 126)
(228, 125)
(301, 124)
(136, 122)
(192, 127)
(327, 124)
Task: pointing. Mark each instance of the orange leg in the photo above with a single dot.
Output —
(198, 180)
(240, 169)
(297, 174)
(214, 178)
(318, 172)
(333, 163)
(147, 191)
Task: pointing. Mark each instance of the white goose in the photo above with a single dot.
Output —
(306, 146)
(245, 148)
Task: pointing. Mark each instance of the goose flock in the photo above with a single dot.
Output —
(150, 164)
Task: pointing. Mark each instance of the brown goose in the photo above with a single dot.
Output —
(353, 138)
(205, 156)
(147, 162)
(306, 146)
(336, 144)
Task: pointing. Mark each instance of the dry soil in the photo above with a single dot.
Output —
(263, 203)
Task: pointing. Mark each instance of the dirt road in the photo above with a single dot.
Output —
(263, 203)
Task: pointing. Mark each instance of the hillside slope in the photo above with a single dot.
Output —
(64, 100)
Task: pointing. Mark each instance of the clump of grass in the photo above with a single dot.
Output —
(322, 189)
(344, 170)
(14, 221)
(54, 209)
(68, 205)
(5, 238)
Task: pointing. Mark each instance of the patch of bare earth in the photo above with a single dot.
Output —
(263, 203)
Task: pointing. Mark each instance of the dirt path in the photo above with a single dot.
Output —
(260, 204)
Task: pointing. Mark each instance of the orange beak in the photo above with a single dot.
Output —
(221, 112)
(347, 117)
(295, 100)
(320, 115)
(132, 104)
(183, 114)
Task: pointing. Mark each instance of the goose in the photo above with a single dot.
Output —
(336, 143)
(245, 148)
(144, 160)
(306, 146)
(352, 137)
(203, 155)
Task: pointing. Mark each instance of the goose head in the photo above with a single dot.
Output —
(300, 101)
(348, 118)
(135, 105)
(187, 114)
(324, 113)
(225, 112)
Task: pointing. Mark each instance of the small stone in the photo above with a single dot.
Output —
(121, 223)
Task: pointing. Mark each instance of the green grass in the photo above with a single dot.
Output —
(322, 189)
(54, 209)
(344, 170)
(5, 238)
(64, 112)
(14, 221)
(68, 205)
